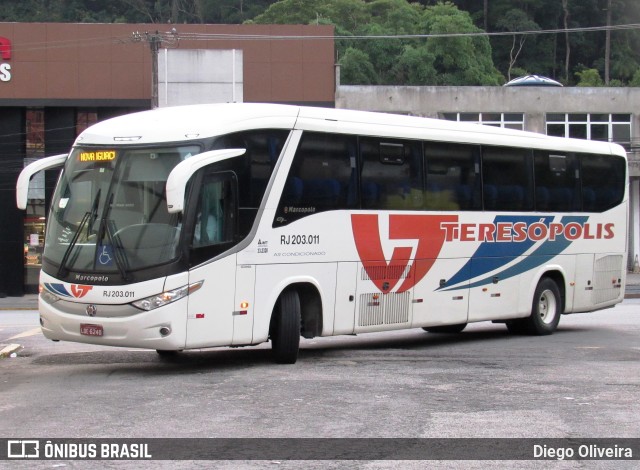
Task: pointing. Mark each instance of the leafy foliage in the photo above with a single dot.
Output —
(387, 59)
(589, 77)
(461, 60)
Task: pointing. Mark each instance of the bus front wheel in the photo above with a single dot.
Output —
(285, 328)
(546, 309)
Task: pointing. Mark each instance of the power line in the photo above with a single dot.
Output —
(171, 38)
(265, 37)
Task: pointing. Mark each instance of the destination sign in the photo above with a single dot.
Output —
(97, 156)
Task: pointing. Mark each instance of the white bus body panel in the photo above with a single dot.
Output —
(123, 324)
(344, 321)
(434, 307)
(210, 308)
(244, 305)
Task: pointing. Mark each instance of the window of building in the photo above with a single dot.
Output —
(85, 117)
(595, 126)
(506, 120)
(34, 220)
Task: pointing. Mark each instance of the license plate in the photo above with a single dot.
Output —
(88, 329)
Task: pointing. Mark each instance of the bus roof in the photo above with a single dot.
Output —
(182, 123)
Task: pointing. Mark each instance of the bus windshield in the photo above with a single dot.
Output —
(109, 212)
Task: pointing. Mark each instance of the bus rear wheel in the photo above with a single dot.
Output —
(285, 328)
(452, 329)
(546, 309)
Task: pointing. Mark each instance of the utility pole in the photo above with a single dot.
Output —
(154, 40)
(154, 44)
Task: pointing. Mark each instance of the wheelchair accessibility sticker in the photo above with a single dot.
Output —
(104, 257)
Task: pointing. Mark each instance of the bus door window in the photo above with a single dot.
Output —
(215, 218)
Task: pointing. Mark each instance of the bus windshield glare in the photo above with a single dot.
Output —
(109, 211)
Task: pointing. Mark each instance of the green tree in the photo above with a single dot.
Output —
(517, 20)
(459, 60)
(635, 80)
(356, 68)
(589, 77)
(415, 67)
(291, 12)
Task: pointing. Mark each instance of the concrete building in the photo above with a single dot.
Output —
(609, 114)
(56, 79)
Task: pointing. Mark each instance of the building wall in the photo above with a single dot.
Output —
(54, 62)
(199, 76)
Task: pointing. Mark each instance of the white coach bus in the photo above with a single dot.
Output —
(235, 224)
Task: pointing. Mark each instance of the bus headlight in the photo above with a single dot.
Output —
(47, 296)
(167, 297)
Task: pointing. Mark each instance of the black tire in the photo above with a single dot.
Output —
(285, 328)
(517, 327)
(451, 329)
(546, 309)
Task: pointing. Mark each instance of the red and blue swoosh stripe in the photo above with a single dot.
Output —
(490, 256)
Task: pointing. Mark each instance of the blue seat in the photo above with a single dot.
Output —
(322, 192)
(370, 195)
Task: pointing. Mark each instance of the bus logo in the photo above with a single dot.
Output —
(426, 230)
(76, 290)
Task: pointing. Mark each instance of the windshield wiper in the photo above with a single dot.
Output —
(119, 255)
(94, 212)
(86, 218)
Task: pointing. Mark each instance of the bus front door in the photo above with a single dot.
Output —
(211, 308)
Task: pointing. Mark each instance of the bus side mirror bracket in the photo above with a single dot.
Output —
(22, 186)
(179, 176)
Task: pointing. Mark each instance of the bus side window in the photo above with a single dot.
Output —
(321, 178)
(507, 176)
(453, 177)
(254, 169)
(603, 181)
(391, 175)
(557, 182)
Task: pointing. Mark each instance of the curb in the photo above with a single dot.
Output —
(8, 350)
